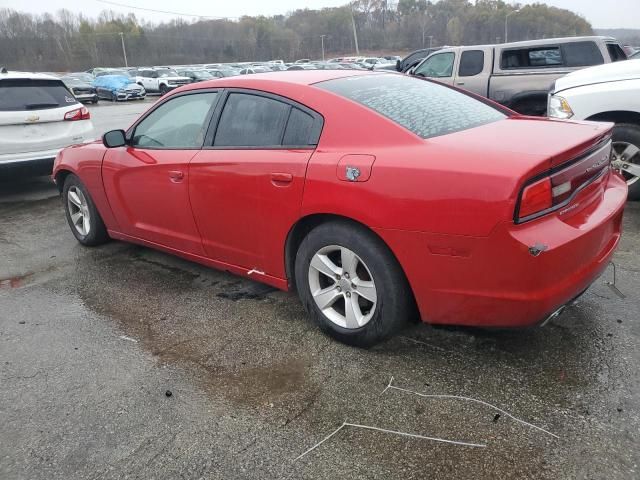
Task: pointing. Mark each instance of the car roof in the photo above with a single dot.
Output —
(27, 75)
(298, 77)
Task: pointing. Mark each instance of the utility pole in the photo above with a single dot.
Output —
(322, 41)
(355, 34)
(124, 50)
(506, 24)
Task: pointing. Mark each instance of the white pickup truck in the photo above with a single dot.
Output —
(160, 80)
(607, 93)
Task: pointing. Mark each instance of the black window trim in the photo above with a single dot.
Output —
(318, 122)
(131, 131)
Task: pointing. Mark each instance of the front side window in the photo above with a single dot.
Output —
(251, 121)
(471, 63)
(615, 52)
(439, 65)
(178, 123)
(427, 109)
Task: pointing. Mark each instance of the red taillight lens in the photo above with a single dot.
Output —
(78, 114)
(535, 198)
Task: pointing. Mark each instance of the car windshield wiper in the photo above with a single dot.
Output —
(36, 106)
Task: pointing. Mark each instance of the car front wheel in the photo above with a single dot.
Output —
(82, 215)
(351, 284)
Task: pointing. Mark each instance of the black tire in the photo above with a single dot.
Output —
(394, 306)
(163, 89)
(629, 133)
(113, 97)
(97, 232)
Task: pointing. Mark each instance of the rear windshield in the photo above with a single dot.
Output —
(423, 107)
(18, 95)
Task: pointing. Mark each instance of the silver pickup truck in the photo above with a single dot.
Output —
(518, 75)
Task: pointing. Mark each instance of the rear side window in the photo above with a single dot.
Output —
(581, 54)
(615, 52)
(299, 129)
(531, 58)
(427, 109)
(251, 121)
(18, 95)
(471, 63)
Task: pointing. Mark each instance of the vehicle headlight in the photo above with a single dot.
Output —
(559, 107)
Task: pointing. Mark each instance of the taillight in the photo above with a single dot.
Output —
(562, 183)
(536, 198)
(81, 113)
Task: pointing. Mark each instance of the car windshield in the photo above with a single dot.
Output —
(426, 108)
(23, 94)
(73, 81)
(166, 72)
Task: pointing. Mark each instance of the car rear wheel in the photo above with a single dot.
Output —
(163, 89)
(351, 285)
(626, 148)
(83, 217)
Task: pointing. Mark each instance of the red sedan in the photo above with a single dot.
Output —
(372, 194)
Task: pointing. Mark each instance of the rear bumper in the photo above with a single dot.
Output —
(495, 281)
(28, 157)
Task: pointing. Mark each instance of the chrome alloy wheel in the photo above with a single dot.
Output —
(625, 152)
(342, 286)
(79, 210)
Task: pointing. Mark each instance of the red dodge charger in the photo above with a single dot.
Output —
(374, 195)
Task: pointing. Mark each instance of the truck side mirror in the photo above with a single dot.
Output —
(398, 65)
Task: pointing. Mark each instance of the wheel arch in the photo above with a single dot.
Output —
(60, 177)
(617, 116)
(307, 223)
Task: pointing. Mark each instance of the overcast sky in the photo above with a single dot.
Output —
(601, 13)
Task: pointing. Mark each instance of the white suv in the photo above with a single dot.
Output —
(160, 79)
(39, 117)
(606, 93)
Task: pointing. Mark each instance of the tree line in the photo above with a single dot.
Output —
(68, 41)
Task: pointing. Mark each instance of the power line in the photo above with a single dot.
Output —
(108, 2)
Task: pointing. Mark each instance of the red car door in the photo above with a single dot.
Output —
(246, 188)
(147, 181)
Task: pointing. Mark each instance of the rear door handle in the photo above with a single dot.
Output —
(176, 176)
(281, 179)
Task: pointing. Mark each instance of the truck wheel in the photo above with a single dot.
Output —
(163, 89)
(626, 148)
(351, 285)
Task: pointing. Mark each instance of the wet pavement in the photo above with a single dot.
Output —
(122, 362)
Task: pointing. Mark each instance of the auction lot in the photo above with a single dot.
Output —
(123, 362)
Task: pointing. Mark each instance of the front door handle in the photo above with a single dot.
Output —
(460, 83)
(281, 179)
(176, 176)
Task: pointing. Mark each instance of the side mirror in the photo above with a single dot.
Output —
(398, 65)
(114, 138)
